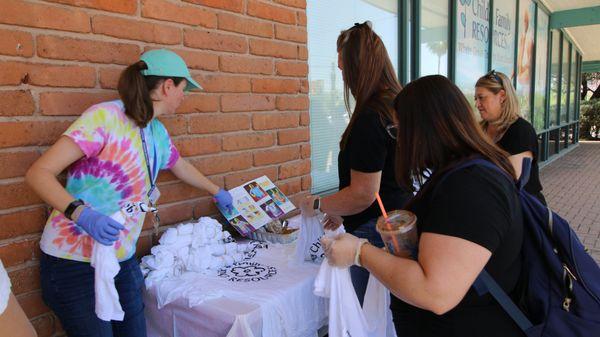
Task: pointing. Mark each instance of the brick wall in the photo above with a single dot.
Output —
(57, 57)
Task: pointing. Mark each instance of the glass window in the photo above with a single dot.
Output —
(328, 116)
(525, 55)
(541, 67)
(503, 50)
(564, 87)
(573, 85)
(554, 77)
(434, 37)
(472, 35)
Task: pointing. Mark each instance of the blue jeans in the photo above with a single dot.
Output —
(68, 289)
(359, 275)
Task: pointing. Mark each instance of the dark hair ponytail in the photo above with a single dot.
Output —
(134, 90)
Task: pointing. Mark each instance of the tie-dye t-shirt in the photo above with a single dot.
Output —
(112, 173)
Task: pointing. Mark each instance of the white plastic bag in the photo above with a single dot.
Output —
(308, 246)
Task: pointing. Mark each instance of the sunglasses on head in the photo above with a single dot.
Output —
(494, 76)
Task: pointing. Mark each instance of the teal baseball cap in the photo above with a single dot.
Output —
(163, 62)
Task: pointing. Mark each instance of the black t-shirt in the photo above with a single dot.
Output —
(370, 148)
(479, 205)
(518, 138)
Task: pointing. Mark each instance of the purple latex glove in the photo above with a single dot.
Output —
(99, 226)
(224, 199)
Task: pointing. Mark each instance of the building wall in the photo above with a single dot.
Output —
(58, 57)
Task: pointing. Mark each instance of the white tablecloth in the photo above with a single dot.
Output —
(266, 290)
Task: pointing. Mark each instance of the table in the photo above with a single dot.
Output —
(267, 296)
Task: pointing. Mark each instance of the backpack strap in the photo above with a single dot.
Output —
(504, 300)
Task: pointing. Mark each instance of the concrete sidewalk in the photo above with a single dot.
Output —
(572, 189)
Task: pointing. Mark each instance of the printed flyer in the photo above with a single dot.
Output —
(255, 204)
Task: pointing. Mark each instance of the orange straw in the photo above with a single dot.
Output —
(389, 226)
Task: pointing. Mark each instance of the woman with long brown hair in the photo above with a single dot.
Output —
(468, 221)
(367, 146)
(112, 155)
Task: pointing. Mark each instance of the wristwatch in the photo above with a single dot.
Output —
(317, 204)
(71, 208)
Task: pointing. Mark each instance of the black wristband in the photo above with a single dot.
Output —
(317, 204)
(71, 208)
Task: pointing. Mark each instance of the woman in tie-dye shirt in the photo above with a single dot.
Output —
(112, 154)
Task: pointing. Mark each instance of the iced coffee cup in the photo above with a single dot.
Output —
(399, 232)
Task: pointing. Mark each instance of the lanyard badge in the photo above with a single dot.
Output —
(153, 193)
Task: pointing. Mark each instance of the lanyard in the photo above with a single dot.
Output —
(147, 157)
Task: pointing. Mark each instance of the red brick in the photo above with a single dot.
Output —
(302, 19)
(221, 83)
(183, 211)
(293, 136)
(292, 102)
(31, 133)
(165, 176)
(223, 163)
(179, 191)
(246, 65)
(235, 179)
(276, 155)
(16, 103)
(245, 102)
(15, 253)
(290, 33)
(305, 151)
(275, 85)
(23, 222)
(214, 41)
(199, 103)
(304, 118)
(291, 186)
(304, 86)
(215, 123)
(16, 163)
(25, 280)
(46, 325)
(302, 53)
(121, 6)
(176, 124)
(15, 43)
(49, 75)
(28, 14)
(244, 25)
(306, 183)
(294, 169)
(17, 194)
(171, 12)
(298, 69)
(135, 30)
(230, 5)
(109, 77)
(64, 48)
(275, 120)
(199, 60)
(293, 3)
(273, 48)
(194, 146)
(71, 103)
(271, 12)
(143, 245)
(32, 304)
(247, 141)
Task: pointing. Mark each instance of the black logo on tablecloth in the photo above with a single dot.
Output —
(247, 271)
(255, 246)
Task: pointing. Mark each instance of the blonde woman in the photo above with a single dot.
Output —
(498, 106)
